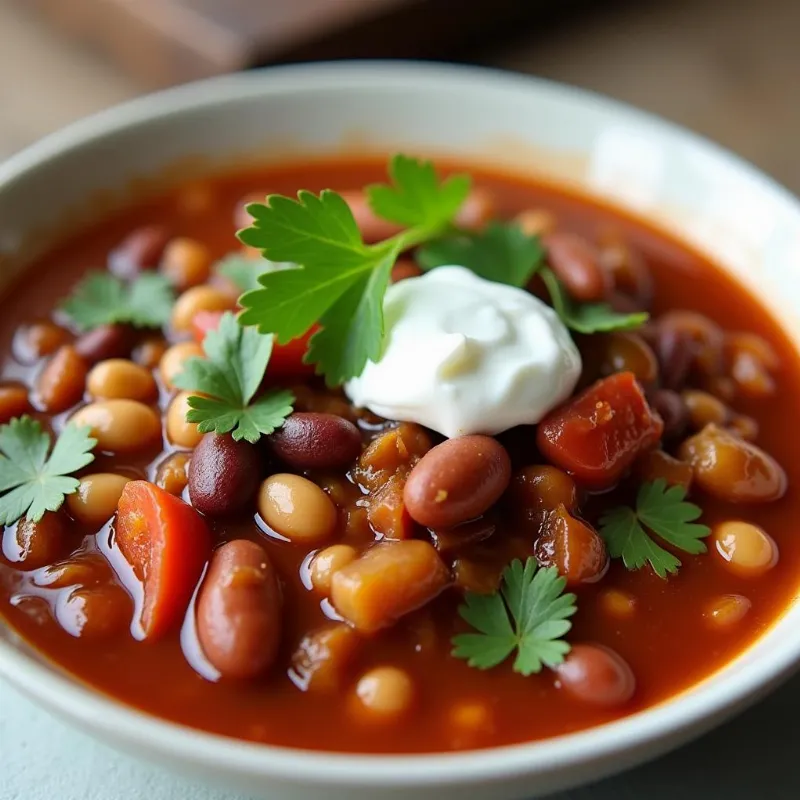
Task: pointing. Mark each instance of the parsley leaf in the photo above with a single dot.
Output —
(501, 252)
(587, 317)
(103, 299)
(245, 272)
(530, 614)
(30, 481)
(341, 281)
(228, 377)
(663, 510)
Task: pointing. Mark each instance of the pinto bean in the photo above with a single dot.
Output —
(457, 480)
(239, 610)
(120, 426)
(297, 509)
(316, 441)
(575, 262)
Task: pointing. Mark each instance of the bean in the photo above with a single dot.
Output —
(171, 474)
(241, 218)
(750, 376)
(658, 465)
(477, 210)
(38, 340)
(471, 721)
(596, 675)
(746, 549)
(107, 341)
(389, 580)
(149, 353)
(703, 408)
(120, 426)
(223, 474)
(96, 498)
(83, 570)
(536, 221)
(704, 335)
(372, 227)
(96, 612)
(622, 351)
(732, 469)
(744, 427)
(674, 350)
(573, 547)
(539, 489)
(323, 659)
(726, 611)
(671, 408)
(327, 562)
(629, 272)
(386, 693)
(120, 378)
(36, 544)
(405, 268)
(61, 382)
(297, 509)
(13, 402)
(198, 298)
(138, 251)
(576, 264)
(316, 441)
(457, 480)
(618, 604)
(239, 611)
(179, 431)
(186, 262)
(756, 346)
(174, 360)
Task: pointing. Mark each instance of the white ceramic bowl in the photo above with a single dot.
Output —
(688, 185)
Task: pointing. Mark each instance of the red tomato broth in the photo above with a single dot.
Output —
(667, 641)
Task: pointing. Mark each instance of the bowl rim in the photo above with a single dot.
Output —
(697, 707)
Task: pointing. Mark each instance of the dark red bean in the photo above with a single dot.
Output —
(596, 675)
(107, 341)
(672, 409)
(457, 480)
(140, 250)
(223, 474)
(576, 263)
(674, 350)
(239, 610)
(312, 440)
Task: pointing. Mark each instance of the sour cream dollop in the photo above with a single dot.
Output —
(466, 355)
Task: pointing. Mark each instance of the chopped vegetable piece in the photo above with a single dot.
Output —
(31, 481)
(228, 377)
(342, 280)
(103, 299)
(168, 544)
(663, 510)
(529, 615)
(597, 435)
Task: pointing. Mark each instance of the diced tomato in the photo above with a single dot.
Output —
(168, 544)
(203, 322)
(598, 435)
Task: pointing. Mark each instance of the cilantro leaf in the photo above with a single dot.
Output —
(663, 510)
(245, 272)
(103, 299)
(501, 252)
(416, 196)
(30, 481)
(530, 614)
(587, 317)
(228, 378)
(340, 281)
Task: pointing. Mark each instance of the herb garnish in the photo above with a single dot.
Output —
(662, 510)
(529, 615)
(228, 378)
(31, 481)
(341, 280)
(245, 272)
(103, 299)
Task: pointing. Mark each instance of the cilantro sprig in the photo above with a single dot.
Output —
(663, 511)
(244, 272)
(31, 481)
(228, 378)
(341, 281)
(103, 299)
(529, 614)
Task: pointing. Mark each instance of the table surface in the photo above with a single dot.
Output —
(731, 76)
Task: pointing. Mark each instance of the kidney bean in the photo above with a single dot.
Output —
(107, 341)
(596, 675)
(38, 340)
(13, 402)
(138, 251)
(36, 544)
(657, 464)
(674, 351)
(120, 426)
(597, 435)
(629, 272)
(324, 659)
(239, 610)
(575, 262)
(457, 480)
(223, 474)
(731, 468)
(316, 441)
(297, 509)
(389, 580)
(536, 490)
(61, 382)
(672, 409)
(706, 339)
(573, 547)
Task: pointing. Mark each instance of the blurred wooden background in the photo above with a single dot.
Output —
(726, 68)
